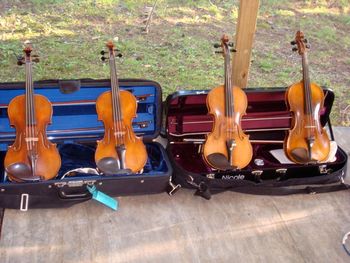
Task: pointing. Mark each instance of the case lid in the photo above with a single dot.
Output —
(74, 111)
(267, 114)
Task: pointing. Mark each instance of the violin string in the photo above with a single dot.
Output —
(27, 108)
(116, 99)
(114, 108)
(120, 128)
(231, 94)
(228, 92)
(226, 97)
(307, 95)
(32, 107)
(118, 102)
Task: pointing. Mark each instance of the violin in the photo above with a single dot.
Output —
(32, 156)
(226, 146)
(307, 141)
(120, 150)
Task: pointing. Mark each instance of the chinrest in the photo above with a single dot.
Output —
(22, 172)
(220, 161)
(111, 166)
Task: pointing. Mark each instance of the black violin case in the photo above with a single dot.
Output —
(75, 128)
(187, 122)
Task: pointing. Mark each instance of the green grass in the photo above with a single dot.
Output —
(178, 52)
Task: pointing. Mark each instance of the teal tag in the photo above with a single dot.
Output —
(103, 198)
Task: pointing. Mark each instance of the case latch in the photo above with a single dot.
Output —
(77, 183)
(257, 174)
(282, 172)
(323, 169)
(24, 202)
(172, 188)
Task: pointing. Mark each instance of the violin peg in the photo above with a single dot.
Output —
(294, 49)
(103, 52)
(119, 55)
(116, 50)
(103, 58)
(305, 40)
(219, 52)
(216, 45)
(230, 44)
(35, 58)
(293, 42)
(20, 60)
(233, 50)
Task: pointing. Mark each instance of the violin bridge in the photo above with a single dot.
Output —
(119, 133)
(31, 139)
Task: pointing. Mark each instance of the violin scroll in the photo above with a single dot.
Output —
(28, 57)
(225, 45)
(114, 52)
(300, 43)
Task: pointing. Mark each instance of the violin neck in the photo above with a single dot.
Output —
(116, 108)
(306, 84)
(229, 106)
(29, 96)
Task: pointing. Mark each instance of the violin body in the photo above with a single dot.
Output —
(135, 150)
(305, 125)
(48, 160)
(227, 128)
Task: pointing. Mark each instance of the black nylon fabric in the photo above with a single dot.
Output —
(306, 185)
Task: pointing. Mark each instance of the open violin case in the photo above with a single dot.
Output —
(267, 121)
(75, 129)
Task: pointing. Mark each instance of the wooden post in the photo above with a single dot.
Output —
(246, 25)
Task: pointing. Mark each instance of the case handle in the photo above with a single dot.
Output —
(64, 195)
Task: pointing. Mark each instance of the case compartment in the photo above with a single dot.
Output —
(267, 121)
(75, 128)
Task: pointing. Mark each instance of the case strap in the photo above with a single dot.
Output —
(205, 190)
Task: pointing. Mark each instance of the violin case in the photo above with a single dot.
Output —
(75, 128)
(267, 121)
